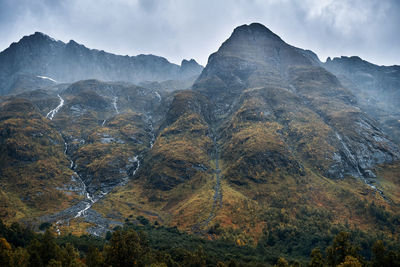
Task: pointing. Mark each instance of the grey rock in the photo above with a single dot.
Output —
(40, 55)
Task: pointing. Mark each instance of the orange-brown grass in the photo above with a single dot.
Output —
(388, 177)
(34, 168)
(76, 226)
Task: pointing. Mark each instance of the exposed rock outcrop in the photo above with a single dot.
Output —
(40, 57)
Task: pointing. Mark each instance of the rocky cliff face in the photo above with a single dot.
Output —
(376, 88)
(72, 144)
(297, 96)
(38, 55)
(261, 113)
(253, 56)
(265, 132)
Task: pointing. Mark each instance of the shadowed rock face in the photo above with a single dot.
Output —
(253, 56)
(182, 149)
(40, 55)
(273, 110)
(298, 96)
(377, 89)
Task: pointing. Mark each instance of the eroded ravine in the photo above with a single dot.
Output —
(352, 159)
(151, 128)
(83, 209)
(201, 227)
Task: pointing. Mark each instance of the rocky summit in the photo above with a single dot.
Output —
(39, 57)
(266, 147)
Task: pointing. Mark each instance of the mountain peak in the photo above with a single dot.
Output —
(38, 36)
(256, 30)
(74, 44)
(250, 57)
(255, 42)
(348, 62)
(40, 55)
(41, 34)
(190, 62)
(35, 39)
(191, 66)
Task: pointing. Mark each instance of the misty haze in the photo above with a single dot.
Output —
(188, 133)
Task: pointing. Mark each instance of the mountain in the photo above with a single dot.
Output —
(270, 148)
(92, 140)
(33, 168)
(256, 77)
(251, 57)
(376, 88)
(40, 56)
(266, 137)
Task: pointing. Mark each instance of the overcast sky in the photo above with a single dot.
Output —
(178, 29)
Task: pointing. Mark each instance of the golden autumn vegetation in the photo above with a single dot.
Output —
(33, 166)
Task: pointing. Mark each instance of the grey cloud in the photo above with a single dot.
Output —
(178, 29)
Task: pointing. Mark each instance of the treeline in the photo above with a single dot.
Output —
(149, 245)
(295, 237)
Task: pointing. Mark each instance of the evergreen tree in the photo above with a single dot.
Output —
(48, 247)
(341, 248)
(382, 257)
(94, 258)
(5, 253)
(350, 261)
(34, 251)
(232, 263)
(282, 263)
(20, 257)
(379, 251)
(54, 263)
(69, 256)
(196, 259)
(316, 258)
(124, 249)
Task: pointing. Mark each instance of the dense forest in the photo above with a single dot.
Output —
(146, 244)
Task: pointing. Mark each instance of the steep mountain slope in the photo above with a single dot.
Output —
(266, 141)
(251, 57)
(35, 178)
(106, 126)
(103, 130)
(376, 88)
(268, 149)
(297, 95)
(39, 56)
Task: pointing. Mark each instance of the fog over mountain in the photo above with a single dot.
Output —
(266, 156)
(40, 58)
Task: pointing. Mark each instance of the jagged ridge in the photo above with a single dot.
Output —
(40, 55)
